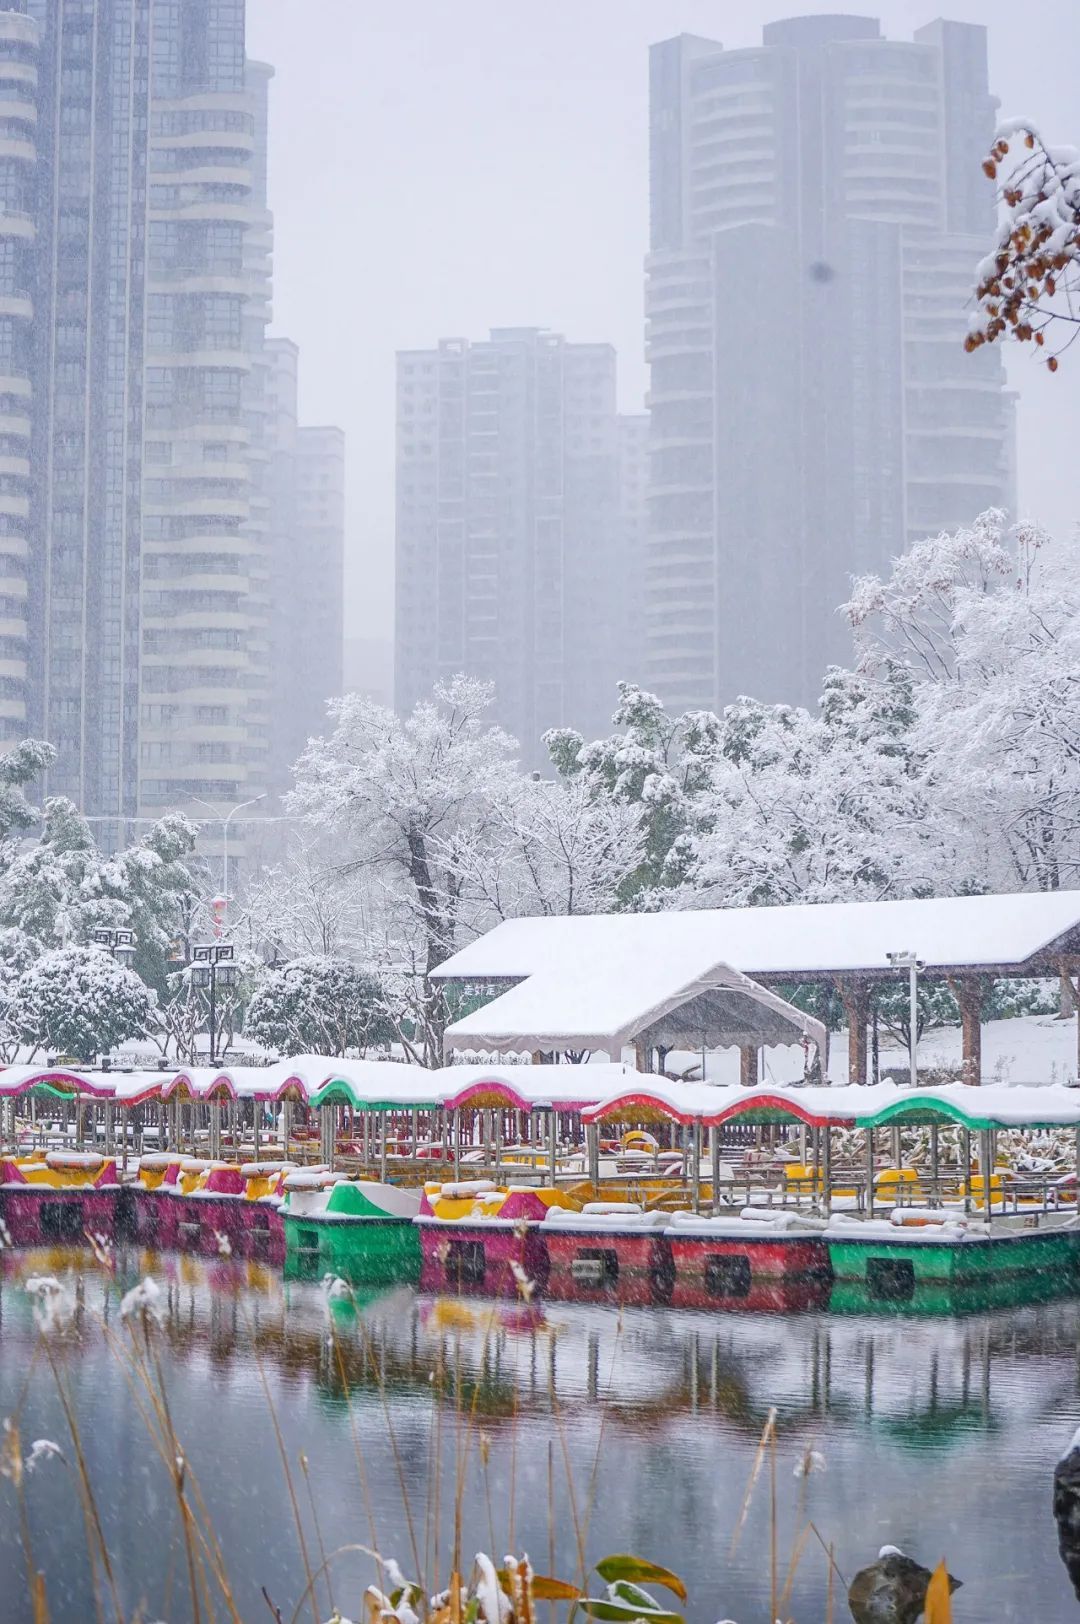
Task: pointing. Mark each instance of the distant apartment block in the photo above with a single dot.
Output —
(307, 563)
(509, 551)
(134, 292)
(817, 207)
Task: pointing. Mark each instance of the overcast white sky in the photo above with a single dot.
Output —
(439, 167)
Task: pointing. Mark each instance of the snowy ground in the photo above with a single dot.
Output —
(1029, 1049)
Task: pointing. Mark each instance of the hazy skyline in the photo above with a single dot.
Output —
(436, 172)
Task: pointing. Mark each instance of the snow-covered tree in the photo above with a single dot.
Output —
(51, 891)
(550, 847)
(319, 1006)
(657, 765)
(307, 903)
(80, 1002)
(987, 623)
(405, 793)
(1029, 283)
(19, 766)
(824, 808)
(60, 889)
(155, 883)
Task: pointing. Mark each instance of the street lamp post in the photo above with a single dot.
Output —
(119, 944)
(213, 962)
(912, 964)
(241, 806)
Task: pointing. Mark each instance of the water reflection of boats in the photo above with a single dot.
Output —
(918, 1377)
(945, 1297)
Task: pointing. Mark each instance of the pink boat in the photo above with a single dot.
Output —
(487, 1251)
(61, 1198)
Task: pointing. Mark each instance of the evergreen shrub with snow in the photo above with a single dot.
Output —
(78, 1001)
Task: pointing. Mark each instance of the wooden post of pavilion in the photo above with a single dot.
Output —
(855, 997)
(968, 993)
(748, 1065)
(869, 1172)
(714, 1166)
(695, 1167)
(826, 1169)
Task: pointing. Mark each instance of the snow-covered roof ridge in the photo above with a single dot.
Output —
(989, 931)
(607, 1001)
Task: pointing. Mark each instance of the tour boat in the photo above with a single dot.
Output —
(360, 1229)
(179, 1200)
(476, 1236)
(149, 1209)
(610, 1249)
(944, 1245)
(724, 1257)
(57, 1197)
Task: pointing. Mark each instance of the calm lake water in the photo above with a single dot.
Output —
(640, 1427)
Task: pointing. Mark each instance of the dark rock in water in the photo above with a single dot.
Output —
(1067, 1510)
(891, 1590)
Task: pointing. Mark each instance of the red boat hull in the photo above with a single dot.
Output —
(608, 1265)
(480, 1257)
(38, 1215)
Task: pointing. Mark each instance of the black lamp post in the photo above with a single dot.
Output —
(119, 944)
(213, 963)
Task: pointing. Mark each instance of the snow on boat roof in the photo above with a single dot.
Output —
(801, 939)
(996, 1105)
(391, 1086)
(607, 997)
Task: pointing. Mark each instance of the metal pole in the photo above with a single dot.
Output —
(714, 1160)
(987, 1160)
(826, 1170)
(382, 1147)
(553, 1149)
(213, 1008)
(592, 1145)
(869, 1172)
(935, 1182)
(695, 1167)
(913, 992)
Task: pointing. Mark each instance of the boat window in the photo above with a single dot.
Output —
(727, 1274)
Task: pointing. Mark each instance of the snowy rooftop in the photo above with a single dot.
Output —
(988, 932)
(605, 999)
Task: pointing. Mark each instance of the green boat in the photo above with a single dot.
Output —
(363, 1232)
(947, 1298)
(892, 1265)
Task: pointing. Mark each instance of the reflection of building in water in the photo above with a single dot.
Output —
(916, 1379)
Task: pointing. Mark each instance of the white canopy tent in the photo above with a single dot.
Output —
(628, 997)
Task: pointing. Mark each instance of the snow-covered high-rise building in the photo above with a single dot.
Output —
(204, 633)
(508, 559)
(307, 568)
(135, 246)
(85, 217)
(817, 206)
